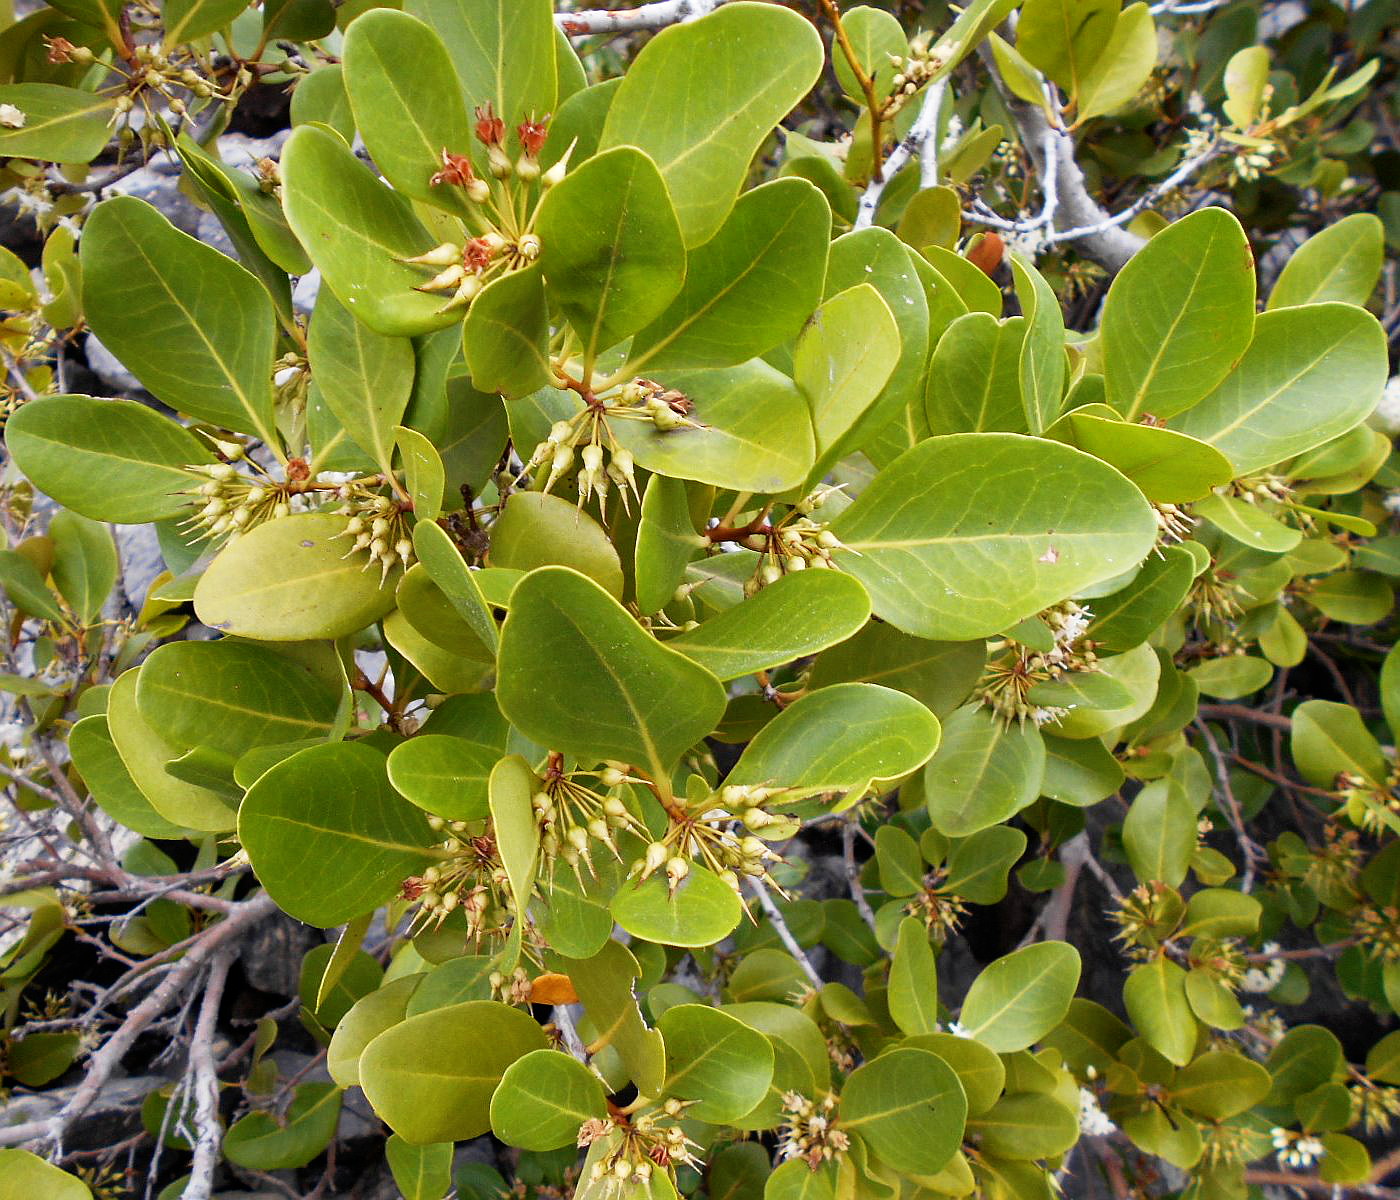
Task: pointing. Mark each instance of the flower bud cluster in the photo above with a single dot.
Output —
(1377, 928)
(941, 911)
(378, 525)
(709, 832)
(510, 989)
(914, 70)
(1266, 976)
(1365, 805)
(230, 502)
(469, 877)
(575, 818)
(502, 206)
(1296, 1151)
(1374, 1106)
(796, 544)
(1011, 674)
(810, 1130)
(651, 1141)
(585, 441)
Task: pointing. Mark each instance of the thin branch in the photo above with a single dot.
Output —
(206, 1081)
(848, 856)
(1254, 855)
(642, 19)
(1238, 712)
(105, 1061)
(922, 131)
(929, 169)
(785, 934)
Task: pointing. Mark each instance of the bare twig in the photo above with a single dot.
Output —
(635, 20)
(848, 855)
(206, 1081)
(785, 934)
(105, 1061)
(923, 131)
(1238, 712)
(1254, 855)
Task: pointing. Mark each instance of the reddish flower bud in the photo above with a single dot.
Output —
(490, 129)
(532, 136)
(60, 49)
(456, 169)
(477, 254)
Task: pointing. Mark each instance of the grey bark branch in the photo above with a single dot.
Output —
(785, 934)
(634, 20)
(206, 1081)
(105, 1061)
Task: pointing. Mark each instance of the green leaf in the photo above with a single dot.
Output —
(1026, 1125)
(542, 1100)
(431, 1077)
(1129, 616)
(506, 335)
(1065, 38)
(95, 755)
(733, 100)
(937, 674)
(367, 1019)
(356, 231)
(402, 88)
(1342, 262)
(320, 97)
(503, 50)
(978, 865)
(84, 564)
(1247, 523)
(754, 435)
(800, 614)
(331, 806)
(974, 377)
(1155, 997)
(536, 529)
(1042, 362)
(666, 542)
(985, 771)
(899, 861)
(289, 580)
(364, 376)
(702, 911)
(604, 983)
(1168, 467)
(111, 460)
(1311, 373)
(145, 755)
(750, 287)
(841, 738)
(841, 363)
(913, 992)
(875, 35)
(23, 1176)
(877, 257)
(715, 1060)
(795, 1180)
(1178, 316)
(213, 356)
(424, 475)
(444, 563)
(1118, 74)
(908, 1107)
(997, 527)
(578, 674)
(1232, 677)
(61, 124)
(1329, 738)
(1020, 998)
(231, 696)
(444, 775)
(1159, 834)
(510, 789)
(612, 253)
(26, 588)
(186, 20)
(1220, 1085)
(420, 1172)
(1246, 77)
(260, 1142)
